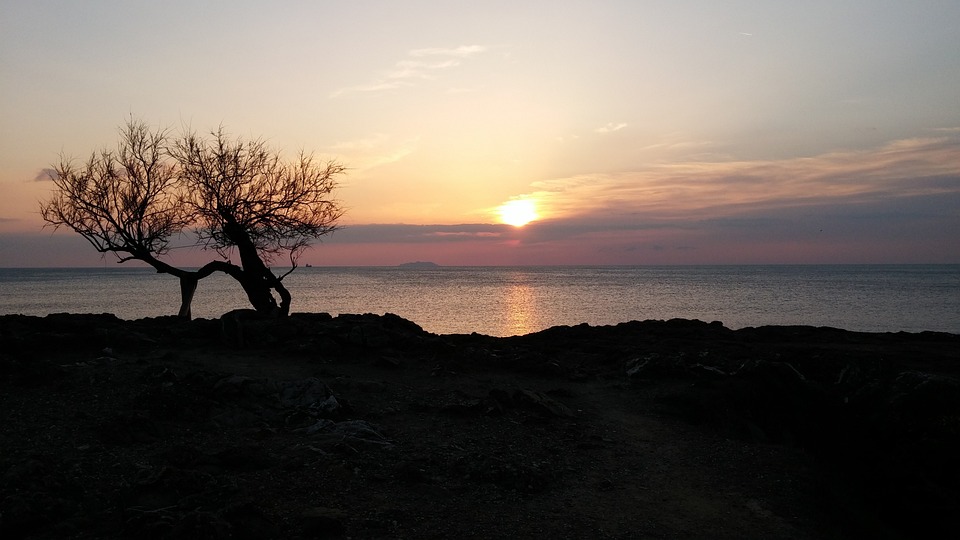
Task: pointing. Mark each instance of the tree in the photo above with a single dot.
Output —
(230, 195)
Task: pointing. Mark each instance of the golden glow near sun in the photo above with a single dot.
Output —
(518, 212)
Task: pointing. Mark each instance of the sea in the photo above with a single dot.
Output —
(506, 301)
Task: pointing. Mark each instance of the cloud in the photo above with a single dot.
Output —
(894, 203)
(415, 234)
(45, 175)
(610, 127)
(680, 190)
(372, 87)
(414, 67)
(675, 143)
(410, 69)
(365, 144)
(37, 249)
(462, 51)
(374, 151)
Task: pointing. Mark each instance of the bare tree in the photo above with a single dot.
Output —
(233, 195)
(244, 197)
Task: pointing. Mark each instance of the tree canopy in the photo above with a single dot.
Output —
(229, 195)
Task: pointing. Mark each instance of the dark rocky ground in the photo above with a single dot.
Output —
(368, 427)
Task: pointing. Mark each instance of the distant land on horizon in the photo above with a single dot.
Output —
(419, 264)
(430, 264)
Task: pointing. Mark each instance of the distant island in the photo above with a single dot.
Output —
(419, 264)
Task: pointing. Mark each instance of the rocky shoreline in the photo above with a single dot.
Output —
(365, 426)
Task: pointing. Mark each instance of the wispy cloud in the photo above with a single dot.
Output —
(610, 127)
(412, 69)
(894, 203)
(377, 86)
(374, 151)
(462, 51)
(681, 190)
(679, 143)
(418, 65)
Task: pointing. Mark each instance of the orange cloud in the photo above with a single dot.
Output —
(713, 189)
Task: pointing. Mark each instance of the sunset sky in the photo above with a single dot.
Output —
(630, 132)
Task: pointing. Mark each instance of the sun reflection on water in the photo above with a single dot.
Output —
(519, 309)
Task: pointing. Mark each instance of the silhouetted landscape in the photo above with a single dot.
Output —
(365, 426)
(350, 270)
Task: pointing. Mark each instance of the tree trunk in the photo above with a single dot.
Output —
(258, 293)
(188, 280)
(188, 286)
(255, 278)
(285, 298)
(257, 281)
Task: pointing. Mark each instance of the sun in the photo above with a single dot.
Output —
(518, 212)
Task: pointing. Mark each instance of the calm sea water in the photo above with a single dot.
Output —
(504, 301)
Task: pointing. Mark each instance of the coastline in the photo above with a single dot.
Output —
(508, 301)
(367, 426)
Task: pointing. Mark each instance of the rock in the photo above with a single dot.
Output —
(703, 370)
(373, 387)
(243, 386)
(239, 521)
(311, 396)
(166, 486)
(378, 332)
(234, 417)
(924, 395)
(390, 362)
(129, 427)
(654, 365)
(237, 327)
(464, 407)
(200, 524)
(323, 522)
(322, 425)
(311, 393)
(242, 458)
(499, 401)
(542, 403)
(352, 436)
(360, 429)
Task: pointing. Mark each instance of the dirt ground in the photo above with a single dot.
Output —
(368, 427)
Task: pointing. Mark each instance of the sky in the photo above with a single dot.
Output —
(627, 132)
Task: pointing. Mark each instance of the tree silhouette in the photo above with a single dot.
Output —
(232, 194)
